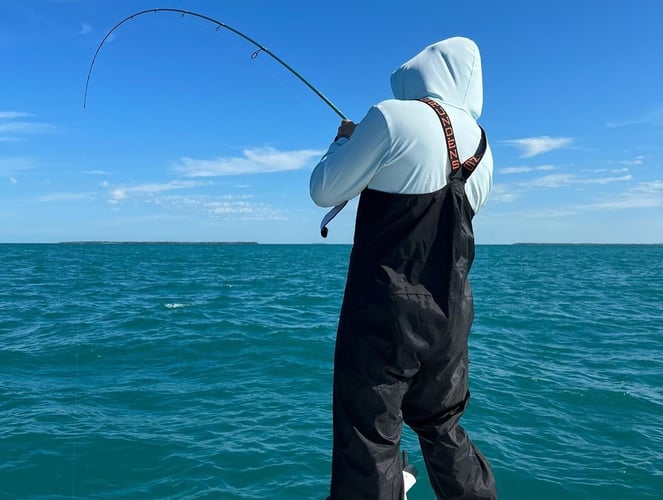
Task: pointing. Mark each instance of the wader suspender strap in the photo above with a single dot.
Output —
(458, 169)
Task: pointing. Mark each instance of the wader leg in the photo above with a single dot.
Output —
(366, 462)
(456, 468)
(432, 408)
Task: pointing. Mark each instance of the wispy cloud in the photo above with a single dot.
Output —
(503, 193)
(549, 213)
(643, 195)
(243, 210)
(120, 194)
(14, 125)
(10, 167)
(550, 181)
(253, 161)
(94, 172)
(653, 116)
(65, 196)
(227, 207)
(10, 115)
(638, 160)
(605, 180)
(20, 127)
(560, 180)
(524, 170)
(533, 146)
(85, 29)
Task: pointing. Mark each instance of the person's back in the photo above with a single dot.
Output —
(401, 349)
(399, 146)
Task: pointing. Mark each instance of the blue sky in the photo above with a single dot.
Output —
(186, 137)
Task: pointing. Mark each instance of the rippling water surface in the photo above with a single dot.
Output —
(204, 371)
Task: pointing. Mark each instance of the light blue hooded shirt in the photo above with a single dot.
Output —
(399, 146)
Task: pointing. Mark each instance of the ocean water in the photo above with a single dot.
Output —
(204, 371)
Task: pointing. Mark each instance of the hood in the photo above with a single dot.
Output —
(449, 70)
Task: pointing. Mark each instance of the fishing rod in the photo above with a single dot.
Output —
(219, 25)
(261, 48)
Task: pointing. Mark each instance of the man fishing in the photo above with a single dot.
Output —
(423, 169)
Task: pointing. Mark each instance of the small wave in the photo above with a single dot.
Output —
(175, 305)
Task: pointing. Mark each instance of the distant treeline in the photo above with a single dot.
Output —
(158, 243)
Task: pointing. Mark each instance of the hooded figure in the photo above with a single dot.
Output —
(423, 169)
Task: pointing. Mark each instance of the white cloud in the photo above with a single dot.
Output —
(560, 180)
(549, 213)
(622, 170)
(85, 29)
(226, 207)
(502, 193)
(258, 160)
(64, 196)
(653, 116)
(650, 187)
(553, 180)
(605, 180)
(94, 172)
(243, 210)
(643, 195)
(639, 160)
(116, 196)
(10, 115)
(523, 170)
(9, 167)
(14, 125)
(13, 180)
(120, 194)
(21, 127)
(533, 146)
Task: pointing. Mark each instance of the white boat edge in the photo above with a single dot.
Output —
(408, 480)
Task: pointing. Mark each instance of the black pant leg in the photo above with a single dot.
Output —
(369, 384)
(434, 404)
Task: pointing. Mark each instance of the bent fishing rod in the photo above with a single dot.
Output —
(260, 48)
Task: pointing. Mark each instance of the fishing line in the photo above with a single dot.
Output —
(254, 55)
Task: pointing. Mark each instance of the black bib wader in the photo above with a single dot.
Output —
(401, 347)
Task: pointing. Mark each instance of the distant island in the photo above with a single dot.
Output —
(158, 243)
(584, 244)
(230, 243)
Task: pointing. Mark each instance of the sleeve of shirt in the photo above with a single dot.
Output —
(350, 164)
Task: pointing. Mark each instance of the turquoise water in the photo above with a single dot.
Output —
(204, 371)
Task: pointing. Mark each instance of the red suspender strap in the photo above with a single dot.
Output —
(468, 165)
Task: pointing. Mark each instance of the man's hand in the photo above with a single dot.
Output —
(346, 129)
